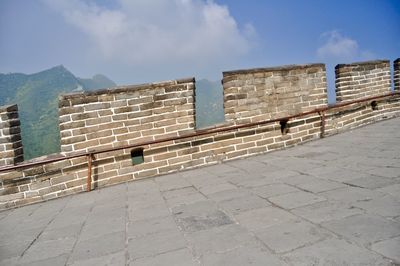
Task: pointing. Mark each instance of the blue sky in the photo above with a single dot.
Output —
(151, 40)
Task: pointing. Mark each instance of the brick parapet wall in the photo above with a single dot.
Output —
(263, 93)
(362, 79)
(396, 75)
(123, 115)
(69, 176)
(11, 151)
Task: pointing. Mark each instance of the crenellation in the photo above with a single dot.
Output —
(357, 80)
(11, 150)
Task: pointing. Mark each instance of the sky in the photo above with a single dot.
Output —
(139, 41)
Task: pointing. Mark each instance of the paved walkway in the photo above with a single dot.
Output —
(334, 201)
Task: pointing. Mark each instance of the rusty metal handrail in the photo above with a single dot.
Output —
(89, 154)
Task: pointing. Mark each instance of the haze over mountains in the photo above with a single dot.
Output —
(37, 98)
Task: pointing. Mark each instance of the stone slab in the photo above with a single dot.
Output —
(364, 229)
(387, 206)
(155, 244)
(98, 246)
(296, 199)
(243, 256)
(291, 235)
(257, 219)
(274, 190)
(180, 257)
(389, 248)
(327, 211)
(220, 239)
(334, 252)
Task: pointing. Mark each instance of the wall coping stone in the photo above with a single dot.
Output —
(271, 69)
(129, 88)
(9, 108)
(373, 62)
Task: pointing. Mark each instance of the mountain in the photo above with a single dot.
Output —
(209, 103)
(97, 82)
(37, 99)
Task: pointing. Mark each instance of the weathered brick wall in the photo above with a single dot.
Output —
(396, 75)
(11, 151)
(264, 93)
(128, 115)
(123, 115)
(363, 79)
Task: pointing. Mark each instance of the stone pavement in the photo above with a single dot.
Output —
(334, 201)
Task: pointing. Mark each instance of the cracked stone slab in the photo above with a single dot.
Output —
(200, 216)
(326, 211)
(389, 248)
(364, 229)
(291, 235)
(296, 199)
(327, 252)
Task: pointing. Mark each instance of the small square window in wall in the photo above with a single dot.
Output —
(137, 156)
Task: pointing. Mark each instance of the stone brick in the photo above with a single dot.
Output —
(96, 106)
(62, 179)
(86, 144)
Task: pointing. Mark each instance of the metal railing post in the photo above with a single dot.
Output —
(322, 115)
(89, 177)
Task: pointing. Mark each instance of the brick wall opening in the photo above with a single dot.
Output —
(284, 126)
(374, 105)
(137, 156)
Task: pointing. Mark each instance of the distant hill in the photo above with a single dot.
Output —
(37, 99)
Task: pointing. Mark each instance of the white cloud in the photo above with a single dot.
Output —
(337, 46)
(158, 32)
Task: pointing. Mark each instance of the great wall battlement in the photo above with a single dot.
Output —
(133, 132)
